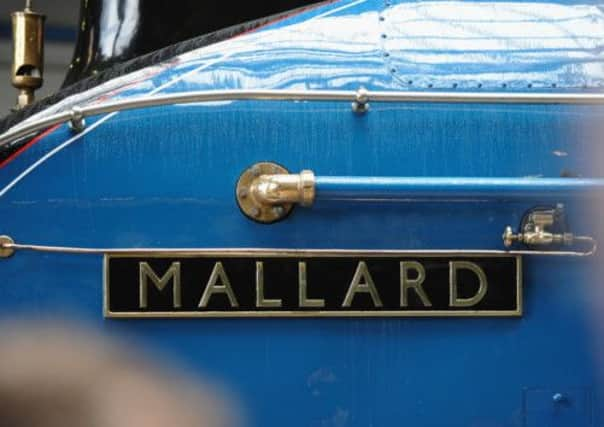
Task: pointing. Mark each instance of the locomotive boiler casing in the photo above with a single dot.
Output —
(165, 177)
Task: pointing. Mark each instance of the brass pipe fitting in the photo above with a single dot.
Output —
(535, 231)
(267, 193)
(285, 188)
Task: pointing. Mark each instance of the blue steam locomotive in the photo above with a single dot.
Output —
(358, 213)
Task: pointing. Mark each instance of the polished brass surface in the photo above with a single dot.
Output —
(454, 299)
(218, 283)
(535, 231)
(6, 252)
(266, 192)
(28, 54)
(303, 300)
(147, 274)
(361, 283)
(285, 188)
(415, 284)
(261, 300)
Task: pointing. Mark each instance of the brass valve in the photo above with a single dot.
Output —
(538, 237)
(545, 227)
(28, 54)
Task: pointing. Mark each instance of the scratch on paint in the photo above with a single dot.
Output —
(24, 202)
(117, 199)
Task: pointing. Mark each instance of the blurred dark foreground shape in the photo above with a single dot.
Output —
(61, 377)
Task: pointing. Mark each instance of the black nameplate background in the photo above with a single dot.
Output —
(328, 278)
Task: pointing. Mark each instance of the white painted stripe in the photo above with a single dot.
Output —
(98, 123)
(70, 141)
(331, 12)
(53, 152)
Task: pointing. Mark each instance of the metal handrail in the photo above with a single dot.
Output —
(7, 249)
(76, 114)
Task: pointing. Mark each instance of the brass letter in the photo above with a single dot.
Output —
(260, 300)
(362, 283)
(454, 301)
(416, 284)
(303, 300)
(146, 272)
(212, 287)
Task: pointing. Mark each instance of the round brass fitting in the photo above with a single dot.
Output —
(266, 192)
(4, 251)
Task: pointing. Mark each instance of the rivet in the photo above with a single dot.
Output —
(243, 193)
(255, 212)
(256, 171)
(558, 397)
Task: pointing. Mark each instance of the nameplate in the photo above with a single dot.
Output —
(262, 283)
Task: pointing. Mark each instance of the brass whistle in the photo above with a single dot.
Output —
(28, 54)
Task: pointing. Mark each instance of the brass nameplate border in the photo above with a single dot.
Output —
(225, 283)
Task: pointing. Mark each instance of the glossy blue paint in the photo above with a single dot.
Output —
(555, 407)
(451, 188)
(165, 177)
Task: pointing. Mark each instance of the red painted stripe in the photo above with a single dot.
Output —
(283, 18)
(35, 140)
(146, 77)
